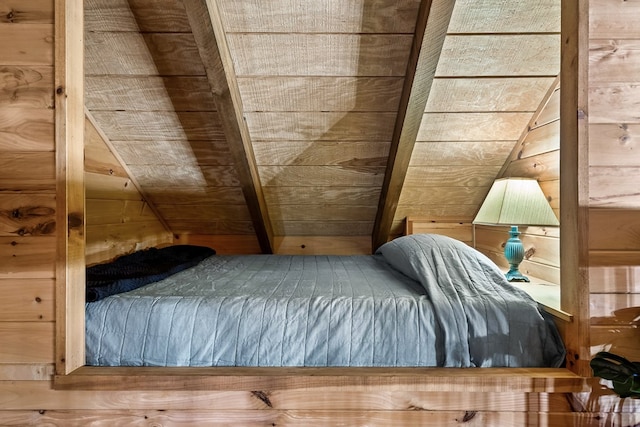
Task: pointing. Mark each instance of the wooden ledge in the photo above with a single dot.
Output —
(536, 380)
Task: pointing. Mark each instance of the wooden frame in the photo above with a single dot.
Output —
(71, 374)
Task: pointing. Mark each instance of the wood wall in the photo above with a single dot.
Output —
(28, 253)
(614, 174)
(118, 218)
(536, 156)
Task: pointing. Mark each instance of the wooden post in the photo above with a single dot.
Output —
(70, 225)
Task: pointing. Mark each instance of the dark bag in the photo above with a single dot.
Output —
(624, 374)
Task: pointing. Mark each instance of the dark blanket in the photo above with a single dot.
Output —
(129, 272)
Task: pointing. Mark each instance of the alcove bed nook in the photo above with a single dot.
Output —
(420, 66)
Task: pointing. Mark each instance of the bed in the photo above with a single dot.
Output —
(422, 300)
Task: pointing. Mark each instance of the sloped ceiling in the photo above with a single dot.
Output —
(316, 118)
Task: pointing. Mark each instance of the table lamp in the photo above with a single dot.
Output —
(514, 202)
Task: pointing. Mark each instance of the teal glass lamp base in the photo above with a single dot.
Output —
(514, 252)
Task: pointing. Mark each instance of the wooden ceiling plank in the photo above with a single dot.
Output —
(320, 93)
(431, 29)
(206, 24)
(346, 55)
(326, 16)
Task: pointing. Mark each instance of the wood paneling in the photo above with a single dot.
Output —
(26, 342)
(323, 93)
(26, 43)
(28, 257)
(26, 87)
(459, 230)
(613, 244)
(119, 220)
(27, 396)
(26, 129)
(27, 300)
(274, 54)
(329, 16)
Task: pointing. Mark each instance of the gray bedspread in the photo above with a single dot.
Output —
(422, 300)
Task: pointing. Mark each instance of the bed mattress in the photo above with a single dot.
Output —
(414, 303)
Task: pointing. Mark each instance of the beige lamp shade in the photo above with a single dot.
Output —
(516, 201)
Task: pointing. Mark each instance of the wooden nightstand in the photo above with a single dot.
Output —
(546, 293)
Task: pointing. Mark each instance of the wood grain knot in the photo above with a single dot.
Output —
(263, 397)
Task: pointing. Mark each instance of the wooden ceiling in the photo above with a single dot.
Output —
(316, 117)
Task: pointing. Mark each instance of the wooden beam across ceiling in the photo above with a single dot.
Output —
(431, 29)
(206, 23)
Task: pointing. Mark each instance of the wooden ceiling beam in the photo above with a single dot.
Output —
(431, 28)
(206, 23)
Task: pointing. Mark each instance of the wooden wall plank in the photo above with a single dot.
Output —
(27, 300)
(322, 228)
(305, 418)
(538, 248)
(615, 309)
(323, 245)
(26, 372)
(26, 44)
(614, 102)
(202, 213)
(616, 60)
(614, 187)
(26, 129)
(37, 395)
(550, 111)
(614, 229)
(442, 195)
(28, 257)
(107, 242)
(26, 12)
(104, 212)
(459, 230)
(613, 144)
(212, 226)
(318, 212)
(26, 87)
(18, 173)
(614, 279)
(617, 339)
(541, 140)
(442, 211)
(27, 214)
(26, 342)
(114, 188)
(613, 19)
(223, 244)
(544, 167)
